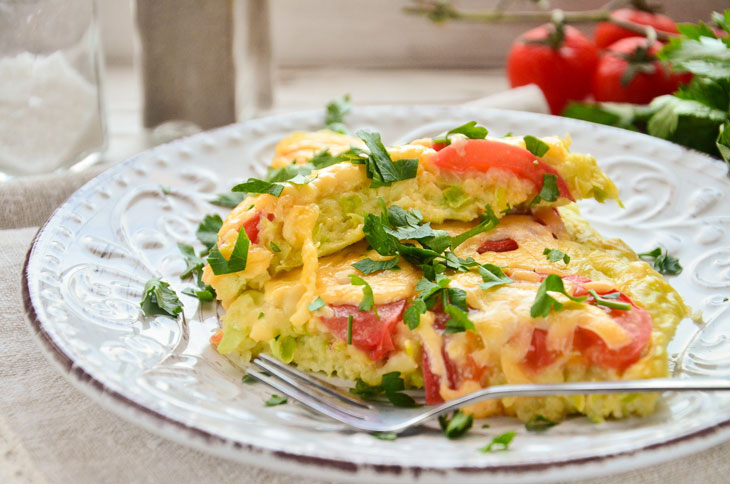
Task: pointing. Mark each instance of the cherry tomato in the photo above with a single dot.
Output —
(562, 72)
(538, 355)
(608, 32)
(370, 334)
(483, 154)
(632, 53)
(252, 226)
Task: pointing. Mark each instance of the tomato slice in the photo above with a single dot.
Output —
(538, 356)
(636, 321)
(369, 334)
(483, 154)
(501, 245)
(251, 226)
(431, 382)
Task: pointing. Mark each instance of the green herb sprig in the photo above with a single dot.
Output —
(392, 386)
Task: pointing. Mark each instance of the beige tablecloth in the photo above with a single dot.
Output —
(50, 432)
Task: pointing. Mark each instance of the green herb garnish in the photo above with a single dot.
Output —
(159, 298)
(237, 262)
(549, 191)
(470, 130)
(380, 168)
(500, 442)
(349, 329)
(492, 276)
(536, 146)
(228, 200)
(456, 425)
(554, 255)
(335, 112)
(544, 303)
(207, 294)
(287, 173)
(392, 385)
(385, 435)
(207, 232)
(316, 304)
(609, 302)
(275, 400)
(254, 185)
(274, 247)
(368, 266)
(539, 423)
(368, 299)
(248, 379)
(662, 262)
(193, 263)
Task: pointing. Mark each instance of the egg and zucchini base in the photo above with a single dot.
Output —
(325, 214)
(494, 308)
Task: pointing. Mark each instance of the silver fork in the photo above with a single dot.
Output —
(355, 412)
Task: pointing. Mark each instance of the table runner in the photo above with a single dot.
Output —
(51, 432)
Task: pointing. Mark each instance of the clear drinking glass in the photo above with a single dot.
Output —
(51, 108)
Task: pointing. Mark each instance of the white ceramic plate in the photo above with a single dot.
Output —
(87, 267)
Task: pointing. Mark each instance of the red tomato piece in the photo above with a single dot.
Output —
(538, 356)
(251, 226)
(502, 245)
(563, 72)
(369, 334)
(636, 321)
(431, 382)
(483, 154)
(608, 32)
(628, 53)
(438, 146)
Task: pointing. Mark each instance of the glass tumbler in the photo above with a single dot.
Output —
(51, 109)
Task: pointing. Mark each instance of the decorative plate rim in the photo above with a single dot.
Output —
(168, 427)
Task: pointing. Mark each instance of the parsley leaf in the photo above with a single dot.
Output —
(248, 379)
(228, 200)
(207, 232)
(456, 425)
(274, 247)
(549, 191)
(254, 185)
(316, 304)
(368, 266)
(237, 262)
(538, 423)
(500, 442)
(492, 276)
(607, 301)
(349, 329)
(385, 435)
(470, 130)
(392, 385)
(159, 298)
(412, 315)
(489, 221)
(324, 158)
(459, 321)
(193, 263)
(368, 299)
(287, 173)
(554, 255)
(335, 112)
(544, 303)
(536, 146)
(662, 262)
(380, 168)
(275, 400)
(206, 294)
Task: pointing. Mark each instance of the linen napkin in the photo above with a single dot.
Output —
(50, 432)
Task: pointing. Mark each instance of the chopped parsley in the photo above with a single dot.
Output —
(274, 247)
(392, 386)
(335, 112)
(193, 263)
(275, 400)
(318, 303)
(470, 130)
(228, 200)
(165, 190)
(662, 262)
(554, 255)
(549, 191)
(159, 298)
(324, 158)
(380, 168)
(539, 423)
(287, 173)
(368, 266)
(248, 379)
(544, 303)
(236, 263)
(349, 329)
(536, 146)
(456, 425)
(368, 299)
(207, 232)
(261, 315)
(254, 185)
(609, 301)
(500, 442)
(492, 276)
(385, 435)
(489, 221)
(207, 294)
